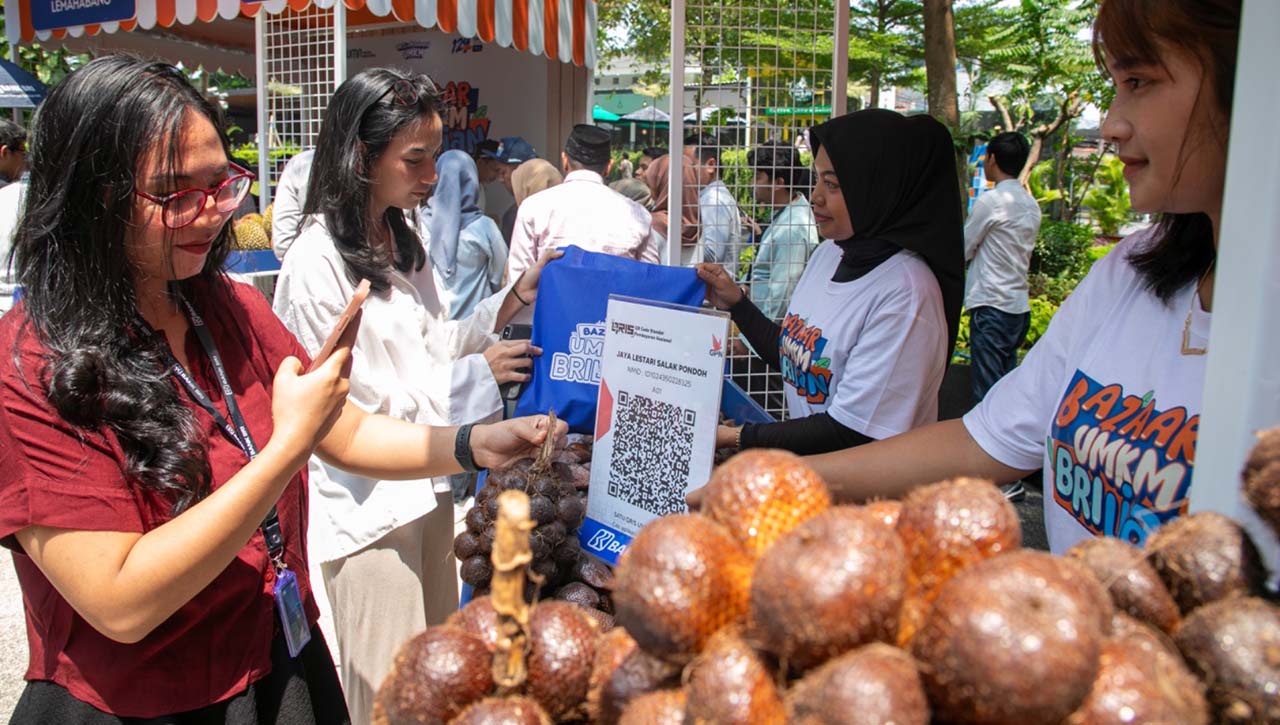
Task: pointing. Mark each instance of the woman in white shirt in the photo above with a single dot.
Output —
(385, 547)
(468, 254)
(870, 325)
(1108, 401)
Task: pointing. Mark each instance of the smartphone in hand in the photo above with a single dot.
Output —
(511, 391)
(348, 317)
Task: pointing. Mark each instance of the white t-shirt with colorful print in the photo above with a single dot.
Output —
(1109, 405)
(870, 352)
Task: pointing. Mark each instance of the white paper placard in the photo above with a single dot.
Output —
(661, 376)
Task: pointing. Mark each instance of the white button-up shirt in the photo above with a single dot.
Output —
(584, 212)
(998, 240)
(291, 196)
(720, 224)
(409, 362)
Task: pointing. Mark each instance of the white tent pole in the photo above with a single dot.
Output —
(675, 138)
(13, 58)
(339, 43)
(1242, 380)
(264, 141)
(840, 62)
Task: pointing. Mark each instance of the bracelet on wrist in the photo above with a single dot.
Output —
(516, 292)
(462, 449)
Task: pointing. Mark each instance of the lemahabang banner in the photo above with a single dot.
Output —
(52, 14)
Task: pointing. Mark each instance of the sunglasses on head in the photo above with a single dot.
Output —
(405, 92)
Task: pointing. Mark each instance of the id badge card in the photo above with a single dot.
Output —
(294, 619)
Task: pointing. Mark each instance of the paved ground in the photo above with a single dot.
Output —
(1031, 512)
(13, 638)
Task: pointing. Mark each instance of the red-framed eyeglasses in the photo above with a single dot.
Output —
(183, 207)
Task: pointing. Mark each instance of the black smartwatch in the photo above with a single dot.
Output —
(462, 449)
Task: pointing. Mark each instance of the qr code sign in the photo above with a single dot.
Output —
(652, 444)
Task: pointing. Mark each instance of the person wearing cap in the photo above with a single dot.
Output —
(510, 153)
(582, 210)
(485, 154)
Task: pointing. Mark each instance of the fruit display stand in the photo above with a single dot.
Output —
(771, 604)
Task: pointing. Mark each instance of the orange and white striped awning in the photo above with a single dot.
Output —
(559, 29)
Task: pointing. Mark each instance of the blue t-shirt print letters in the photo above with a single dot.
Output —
(803, 367)
(1121, 466)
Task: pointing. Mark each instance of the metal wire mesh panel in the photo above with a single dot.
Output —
(760, 76)
(299, 51)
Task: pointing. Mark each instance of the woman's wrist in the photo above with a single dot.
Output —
(285, 453)
(525, 296)
(742, 296)
(462, 450)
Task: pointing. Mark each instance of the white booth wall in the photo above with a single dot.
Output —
(489, 91)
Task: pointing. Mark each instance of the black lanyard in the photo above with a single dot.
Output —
(235, 429)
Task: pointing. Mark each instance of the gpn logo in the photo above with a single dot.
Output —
(717, 347)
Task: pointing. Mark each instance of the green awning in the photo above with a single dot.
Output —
(799, 111)
(600, 114)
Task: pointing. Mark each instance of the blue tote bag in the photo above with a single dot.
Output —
(568, 324)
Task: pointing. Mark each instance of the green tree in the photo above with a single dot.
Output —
(772, 39)
(1108, 200)
(884, 44)
(1050, 67)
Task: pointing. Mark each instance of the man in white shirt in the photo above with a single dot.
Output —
(998, 240)
(719, 219)
(290, 198)
(582, 210)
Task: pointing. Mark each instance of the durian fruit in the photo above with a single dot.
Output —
(267, 216)
(249, 234)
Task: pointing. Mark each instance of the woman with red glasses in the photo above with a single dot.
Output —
(155, 425)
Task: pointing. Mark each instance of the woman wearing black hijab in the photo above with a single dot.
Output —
(873, 320)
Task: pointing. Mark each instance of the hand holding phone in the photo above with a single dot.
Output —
(511, 391)
(348, 319)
